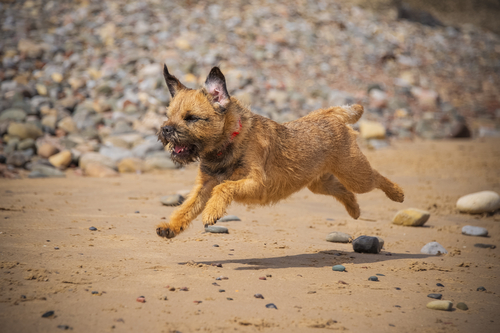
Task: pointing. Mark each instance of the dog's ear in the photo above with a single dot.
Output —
(216, 87)
(173, 84)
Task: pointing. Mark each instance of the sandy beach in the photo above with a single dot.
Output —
(51, 261)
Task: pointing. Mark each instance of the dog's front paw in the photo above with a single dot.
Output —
(209, 220)
(165, 232)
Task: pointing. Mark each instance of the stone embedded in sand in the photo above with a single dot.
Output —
(338, 268)
(141, 299)
(61, 160)
(271, 306)
(485, 246)
(48, 314)
(435, 296)
(94, 169)
(229, 218)
(440, 305)
(93, 157)
(216, 230)
(338, 237)
(366, 244)
(481, 289)
(411, 217)
(462, 306)
(172, 200)
(433, 248)
(474, 231)
(44, 171)
(480, 202)
(373, 278)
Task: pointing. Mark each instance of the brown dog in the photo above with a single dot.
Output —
(251, 159)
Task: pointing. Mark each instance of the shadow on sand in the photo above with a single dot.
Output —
(319, 259)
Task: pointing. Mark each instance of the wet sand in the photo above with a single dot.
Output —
(285, 243)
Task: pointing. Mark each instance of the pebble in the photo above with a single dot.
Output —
(411, 217)
(13, 114)
(215, 245)
(366, 244)
(26, 144)
(440, 305)
(23, 131)
(159, 163)
(41, 171)
(436, 296)
(61, 160)
(378, 274)
(474, 231)
(93, 157)
(271, 306)
(172, 200)
(373, 278)
(433, 248)
(481, 289)
(48, 314)
(222, 278)
(222, 291)
(141, 299)
(338, 237)
(46, 150)
(229, 298)
(93, 229)
(131, 164)
(258, 296)
(480, 202)
(440, 285)
(338, 268)
(98, 170)
(262, 278)
(229, 218)
(371, 130)
(216, 230)
(462, 306)
(485, 246)
(64, 327)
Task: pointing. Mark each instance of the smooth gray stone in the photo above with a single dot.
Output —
(366, 244)
(14, 114)
(338, 268)
(338, 237)
(435, 296)
(433, 248)
(216, 230)
(172, 200)
(474, 231)
(229, 218)
(46, 171)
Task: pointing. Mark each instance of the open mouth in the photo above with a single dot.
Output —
(181, 150)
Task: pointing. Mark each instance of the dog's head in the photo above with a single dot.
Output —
(196, 118)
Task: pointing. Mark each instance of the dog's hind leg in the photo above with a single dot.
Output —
(327, 184)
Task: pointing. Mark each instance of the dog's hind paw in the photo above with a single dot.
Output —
(165, 232)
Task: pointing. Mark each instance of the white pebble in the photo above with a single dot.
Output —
(480, 202)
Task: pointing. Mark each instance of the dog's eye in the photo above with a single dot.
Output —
(191, 119)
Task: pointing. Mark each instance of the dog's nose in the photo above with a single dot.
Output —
(167, 130)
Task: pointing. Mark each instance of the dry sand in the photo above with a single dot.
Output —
(125, 259)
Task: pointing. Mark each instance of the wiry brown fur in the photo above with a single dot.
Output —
(266, 162)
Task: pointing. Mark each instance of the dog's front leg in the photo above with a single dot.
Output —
(188, 211)
(223, 194)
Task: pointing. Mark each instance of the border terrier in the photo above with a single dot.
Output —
(250, 159)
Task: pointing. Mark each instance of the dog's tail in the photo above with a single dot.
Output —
(350, 114)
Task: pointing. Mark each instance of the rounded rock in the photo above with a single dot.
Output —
(229, 218)
(435, 296)
(46, 150)
(98, 170)
(172, 200)
(216, 230)
(433, 248)
(366, 244)
(61, 160)
(440, 305)
(470, 230)
(412, 217)
(480, 202)
(271, 306)
(373, 278)
(93, 229)
(338, 237)
(338, 268)
(462, 306)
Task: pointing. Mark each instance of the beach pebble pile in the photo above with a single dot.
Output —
(90, 82)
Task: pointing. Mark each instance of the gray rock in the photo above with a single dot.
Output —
(13, 114)
(435, 296)
(338, 237)
(373, 278)
(141, 150)
(366, 244)
(474, 231)
(440, 305)
(115, 153)
(433, 248)
(229, 218)
(480, 202)
(216, 230)
(40, 170)
(172, 200)
(338, 268)
(24, 131)
(462, 306)
(17, 159)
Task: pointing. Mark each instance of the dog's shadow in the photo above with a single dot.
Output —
(319, 259)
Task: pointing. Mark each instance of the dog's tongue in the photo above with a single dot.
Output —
(179, 149)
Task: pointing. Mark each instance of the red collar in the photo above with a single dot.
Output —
(231, 138)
